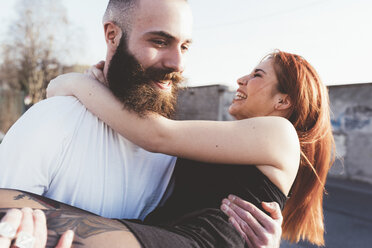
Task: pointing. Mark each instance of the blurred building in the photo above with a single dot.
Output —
(351, 107)
(205, 103)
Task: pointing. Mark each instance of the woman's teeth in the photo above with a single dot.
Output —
(240, 96)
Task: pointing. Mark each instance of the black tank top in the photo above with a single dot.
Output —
(201, 185)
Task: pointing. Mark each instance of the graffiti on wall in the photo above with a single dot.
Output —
(355, 118)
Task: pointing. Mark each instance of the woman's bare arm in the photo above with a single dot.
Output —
(265, 140)
(90, 230)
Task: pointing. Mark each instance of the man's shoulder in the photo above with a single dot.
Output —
(56, 109)
(52, 116)
(57, 103)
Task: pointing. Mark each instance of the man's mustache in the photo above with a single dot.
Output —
(155, 74)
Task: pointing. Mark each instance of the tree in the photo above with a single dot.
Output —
(36, 42)
(8, 69)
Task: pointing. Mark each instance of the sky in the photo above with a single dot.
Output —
(231, 37)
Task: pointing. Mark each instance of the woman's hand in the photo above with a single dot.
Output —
(96, 72)
(27, 228)
(257, 228)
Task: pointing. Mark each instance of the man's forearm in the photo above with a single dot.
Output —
(90, 230)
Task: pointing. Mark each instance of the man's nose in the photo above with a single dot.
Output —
(174, 60)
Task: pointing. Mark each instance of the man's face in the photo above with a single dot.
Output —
(148, 64)
(161, 34)
(132, 84)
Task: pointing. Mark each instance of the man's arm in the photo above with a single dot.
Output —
(90, 230)
(256, 227)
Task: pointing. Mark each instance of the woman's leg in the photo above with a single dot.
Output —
(90, 230)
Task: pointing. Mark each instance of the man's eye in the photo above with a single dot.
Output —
(160, 43)
(185, 48)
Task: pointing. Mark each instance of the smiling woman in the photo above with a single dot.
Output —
(258, 94)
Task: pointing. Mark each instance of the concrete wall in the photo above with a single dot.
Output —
(352, 122)
(204, 103)
(352, 127)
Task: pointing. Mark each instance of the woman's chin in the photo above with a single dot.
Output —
(232, 111)
(237, 113)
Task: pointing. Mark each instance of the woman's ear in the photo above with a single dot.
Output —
(283, 102)
(113, 35)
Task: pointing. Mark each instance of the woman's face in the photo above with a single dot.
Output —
(257, 93)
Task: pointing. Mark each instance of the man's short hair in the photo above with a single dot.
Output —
(120, 12)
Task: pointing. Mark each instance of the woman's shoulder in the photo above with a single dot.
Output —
(284, 142)
(280, 132)
(271, 122)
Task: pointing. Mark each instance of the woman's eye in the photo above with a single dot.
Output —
(256, 75)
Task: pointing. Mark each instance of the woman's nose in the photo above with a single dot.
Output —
(243, 80)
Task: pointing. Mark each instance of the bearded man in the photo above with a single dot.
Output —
(59, 150)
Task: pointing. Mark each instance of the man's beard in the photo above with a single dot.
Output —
(131, 84)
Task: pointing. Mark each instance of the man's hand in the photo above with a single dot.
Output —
(256, 227)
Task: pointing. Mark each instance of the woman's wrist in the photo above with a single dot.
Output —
(75, 82)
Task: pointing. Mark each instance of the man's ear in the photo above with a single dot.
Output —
(283, 102)
(113, 34)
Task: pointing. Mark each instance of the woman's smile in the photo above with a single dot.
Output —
(240, 96)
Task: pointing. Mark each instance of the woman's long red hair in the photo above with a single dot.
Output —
(310, 115)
